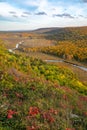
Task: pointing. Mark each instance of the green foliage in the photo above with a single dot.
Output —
(62, 76)
(39, 96)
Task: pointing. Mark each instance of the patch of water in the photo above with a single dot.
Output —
(80, 67)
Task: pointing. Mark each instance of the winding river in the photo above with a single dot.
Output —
(16, 47)
(51, 61)
(75, 65)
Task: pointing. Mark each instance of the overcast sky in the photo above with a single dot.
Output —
(33, 14)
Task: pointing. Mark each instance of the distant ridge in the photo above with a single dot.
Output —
(54, 29)
(39, 30)
(44, 30)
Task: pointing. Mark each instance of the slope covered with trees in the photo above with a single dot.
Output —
(69, 50)
(39, 96)
(71, 43)
(70, 33)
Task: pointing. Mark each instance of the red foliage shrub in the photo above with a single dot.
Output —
(70, 129)
(47, 116)
(10, 113)
(33, 111)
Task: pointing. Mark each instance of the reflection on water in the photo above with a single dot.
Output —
(81, 67)
(53, 60)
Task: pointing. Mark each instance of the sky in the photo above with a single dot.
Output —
(33, 14)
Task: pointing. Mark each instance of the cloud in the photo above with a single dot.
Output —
(65, 15)
(15, 16)
(27, 13)
(41, 13)
(2, 18)
(12, 12)
(36, 2)
(6, 9)
(0, 15)
(53, 9)
(24, 16)
(81, 16)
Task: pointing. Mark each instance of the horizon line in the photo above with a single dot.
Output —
(21, 30)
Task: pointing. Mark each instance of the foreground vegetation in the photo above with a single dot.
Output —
(38, 96)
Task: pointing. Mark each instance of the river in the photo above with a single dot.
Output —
(51, 61)
(75, 65)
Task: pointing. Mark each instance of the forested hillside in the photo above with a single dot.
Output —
(67, 43)
(70, 33)
(71, 43)
(35, 95)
